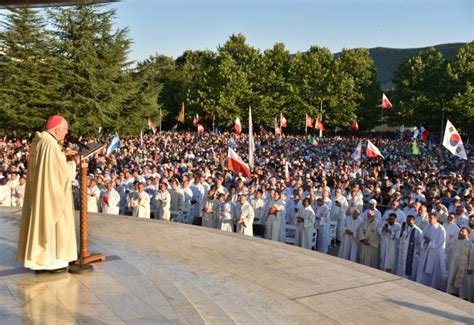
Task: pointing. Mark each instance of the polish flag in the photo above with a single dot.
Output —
(372, 151)
(283, 122)
(238, 127)
(200, 128)
(309, 121)
(236, 164)
(319, 125)
(196, 120)
(355, 125)
(277, 128)
(386, 103)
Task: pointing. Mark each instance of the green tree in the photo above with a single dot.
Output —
(228, 85)
(27, 83)
(92, 68)
(273, 88)
(322, 88)
(460, 108)
(421, 90)
(360, 66)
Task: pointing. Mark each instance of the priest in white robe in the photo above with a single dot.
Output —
(93, 196)
(369, 241)
(350, 242)
(275, 217)
(163, 203)
(452, 234)
(461, 267)
(225, 212)
(141, 203)
(110, 200)
(305, 219)
(47, 239)
(410, 248)
(389, 232)
(244, 216)
(322, 225)
(432, 263)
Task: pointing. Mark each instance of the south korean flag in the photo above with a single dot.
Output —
(452, 141)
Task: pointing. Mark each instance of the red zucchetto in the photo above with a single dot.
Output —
(53, 121)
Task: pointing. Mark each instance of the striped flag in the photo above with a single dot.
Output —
(114, 145)
(151, 125)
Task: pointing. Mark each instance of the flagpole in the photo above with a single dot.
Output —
(442, 123)
(213, 123)
(160, 119)
(321, 119)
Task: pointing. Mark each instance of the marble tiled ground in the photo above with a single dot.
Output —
(164, 273)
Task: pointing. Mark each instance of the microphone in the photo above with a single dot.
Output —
(73, 139)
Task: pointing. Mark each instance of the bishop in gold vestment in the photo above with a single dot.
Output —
(47, 238)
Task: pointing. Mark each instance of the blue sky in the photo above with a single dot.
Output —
(172, 26)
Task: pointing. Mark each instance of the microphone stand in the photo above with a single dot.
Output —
(82, 265)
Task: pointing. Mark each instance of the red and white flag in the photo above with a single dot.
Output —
(151, 125)
(386, 103)
(283, 122)
(200, 128)
(196, 120)
(372, 151)
(309, 121)
(277, 128)
(238, 126)
(355, 125)
(319, 125)
(236, 164)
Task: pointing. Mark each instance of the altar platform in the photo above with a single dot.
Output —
(158, 272)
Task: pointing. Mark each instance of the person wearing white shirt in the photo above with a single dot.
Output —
(390, 234)
(163, 201)
(395, 208)
(110, 199)
(376, 212)
(93, 195)
(410, 247)
(338, 212)
(421, 219)
(452, 234)
(305, 219)
(322, 225)
(244, 216)
(19, 193)
(350, 241)
(275, 217)
(432, 262)
(225, 213)
(141, 203)
(5, 194)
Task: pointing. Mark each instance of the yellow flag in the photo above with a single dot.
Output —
(181, 114)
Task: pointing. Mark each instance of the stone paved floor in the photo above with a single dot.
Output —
(167, 273)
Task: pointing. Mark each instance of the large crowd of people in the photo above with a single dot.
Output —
(411, 215)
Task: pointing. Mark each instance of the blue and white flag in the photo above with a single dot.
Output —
(114, 145)
(232, 143)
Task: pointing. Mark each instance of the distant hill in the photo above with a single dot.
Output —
(387, 60)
